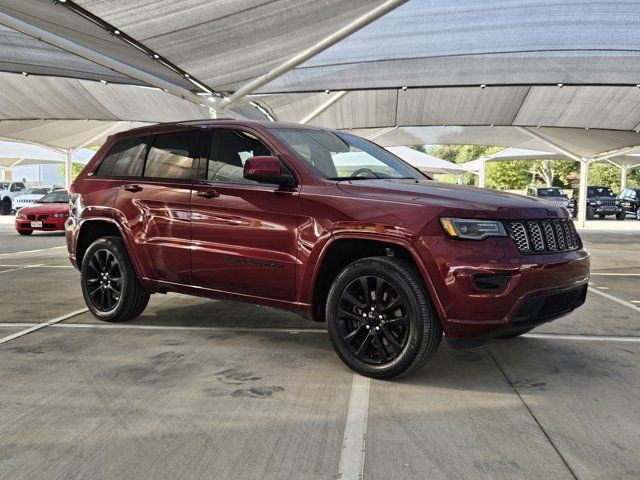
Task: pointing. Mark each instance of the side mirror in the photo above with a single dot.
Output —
(266, 169)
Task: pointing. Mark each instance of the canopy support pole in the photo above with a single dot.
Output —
(99, 58)
(623, 177)
(324, 106)
(68, 166)
(310, 52)
(482, 174)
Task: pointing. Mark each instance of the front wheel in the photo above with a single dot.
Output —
(380, 318)
(110, 286)
(5, 207)
(621, 215)
(590, 213)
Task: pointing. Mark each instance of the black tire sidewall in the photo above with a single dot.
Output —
(117, 248)
(416, 318)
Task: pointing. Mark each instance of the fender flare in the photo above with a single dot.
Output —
(402, 242)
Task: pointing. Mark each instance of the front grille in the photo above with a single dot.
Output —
(544, 236)
(608, 203)
(539, 308)
(559, 303)
(39, 217)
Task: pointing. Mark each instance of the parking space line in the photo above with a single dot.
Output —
(40, 265)
(31, 251)
(351, 465)
(606, 274)
(586, 338)
(22, 267)
(615, 299)
(38, 326)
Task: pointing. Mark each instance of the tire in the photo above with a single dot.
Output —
(574, 214)
(106, 261)
(5, 207)
(621, 215)
(601, 215)
(638, 213)
(407, 315)
(590, 213)
(514, 334)
(25, 232)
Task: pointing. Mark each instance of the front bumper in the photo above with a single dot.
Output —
(48, 225)
(488, 288)
(606, 210)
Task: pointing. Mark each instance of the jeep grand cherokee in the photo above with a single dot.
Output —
(322, 223)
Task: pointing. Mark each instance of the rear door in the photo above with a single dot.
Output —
(157, 205)
(244, 232)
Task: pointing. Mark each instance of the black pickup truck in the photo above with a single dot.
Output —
(630, 200)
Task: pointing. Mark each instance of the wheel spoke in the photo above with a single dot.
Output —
(365, 346)
(404, 321)
(350, 337)
(395, 303)
(352, 300)
(391, 338)
(384, 357)
(353, 316)
(364, 284)
(379, 285)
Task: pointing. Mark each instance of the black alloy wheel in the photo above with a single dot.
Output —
(110, 286)
(104, 280)
(372, 320)
(380, 318)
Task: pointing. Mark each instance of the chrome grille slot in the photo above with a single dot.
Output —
(535, 236)
(543, 236)
(519, 235)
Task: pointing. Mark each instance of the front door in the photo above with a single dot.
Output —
(157, 205)
(243, 232)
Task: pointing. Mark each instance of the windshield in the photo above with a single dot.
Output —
(60, 196)
(599, 192)
(36, 191)
(340, 156)
(4, 186)
(550, 192)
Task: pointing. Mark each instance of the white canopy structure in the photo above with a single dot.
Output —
(522, 74)
(13, 154)
(427, 163)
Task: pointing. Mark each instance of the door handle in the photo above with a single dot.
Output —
(208, 193)
(132, 188)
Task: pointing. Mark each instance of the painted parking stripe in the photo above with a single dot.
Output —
(39, 265)
(38, 326)
(615, 299)
(32, 251)
(352, 457)
(606, 274)
(19, 268)
(583, 338)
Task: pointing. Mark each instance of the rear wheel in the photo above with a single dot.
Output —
(5, 207)
(380, 319)
(590, 213)
(110, 286)
(25, 232)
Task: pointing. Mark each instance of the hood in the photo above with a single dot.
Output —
(31, 197)
(454, 200)
(49, 208)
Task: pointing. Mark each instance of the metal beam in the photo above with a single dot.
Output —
(106, 131)
(380, 132)
(99, 58)
(324, 106)
(613, 153)
(551, 144)
(305, 55)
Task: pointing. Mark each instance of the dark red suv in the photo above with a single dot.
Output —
(322, 223)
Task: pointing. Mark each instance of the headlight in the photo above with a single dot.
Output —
(598, 202)
(469, 229)
(21, 215)
(60, 215)
(618, 203)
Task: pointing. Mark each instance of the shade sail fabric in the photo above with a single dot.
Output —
(427, 163)
(13, 154)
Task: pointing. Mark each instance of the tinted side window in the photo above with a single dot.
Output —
(174, 155)
(125, 159)
(229, 150)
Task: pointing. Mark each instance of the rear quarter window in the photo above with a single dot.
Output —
(174, 155)
(125, 159)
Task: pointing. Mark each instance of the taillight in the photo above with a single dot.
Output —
(72, 188)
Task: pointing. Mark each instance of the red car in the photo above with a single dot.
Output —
(322, 223)
(48, 215)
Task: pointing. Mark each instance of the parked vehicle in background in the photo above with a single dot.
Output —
(30, 195)
(554, 195)
(601, 201)
(630, 201)
(265, 212)
(48, 214)
(8, 191)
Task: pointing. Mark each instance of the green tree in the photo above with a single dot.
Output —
(606, 175)
(76, 168)
(506, 175)
(554, 172)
